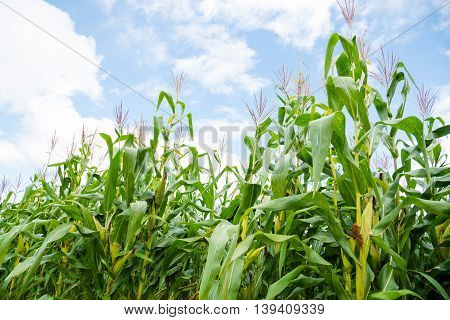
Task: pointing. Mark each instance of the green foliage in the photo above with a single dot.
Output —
(312, 216)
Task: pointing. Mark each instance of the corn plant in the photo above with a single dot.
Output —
(314, 214)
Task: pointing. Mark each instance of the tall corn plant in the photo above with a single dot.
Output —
(332, 223)
(310, 217)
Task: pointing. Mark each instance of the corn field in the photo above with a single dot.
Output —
(311, 215)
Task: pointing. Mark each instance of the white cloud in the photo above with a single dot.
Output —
(299, 23)
(225, 62)
(229, 113)
(222, 61)
(151, 50)
(152, 87)
(9, 154)
(202, 35)
(296, 22)
(385, 19)
(107, 5)
(38, 81)
(34, 63)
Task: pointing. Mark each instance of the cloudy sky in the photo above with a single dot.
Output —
(229, 50)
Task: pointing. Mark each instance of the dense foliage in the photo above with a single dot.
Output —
(311, 216)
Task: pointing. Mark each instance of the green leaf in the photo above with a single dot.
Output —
(389, 197)
(313, 257)
(435, 207)
(7, 238)
(136, 214)
(129, 164)
(321, 131)
(303, 120)
(401, 263)
(109, 144)
(191, 126)
(269, 238)
(31, 264)
(164, 95)
(111, 182)
(334, 38)
(347, 93)
(279, 179)
(277, 287)
(435, 284)
(232, 279)
(392, 295)
(438, 133)
(310, 199)
(216, 252)
(242, 247)
(381, 106)
(384, 223)
(250, 192)
(422, 173)
(410, 125)
(365, 168)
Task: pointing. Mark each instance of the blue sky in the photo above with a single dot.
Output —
(229, 50)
